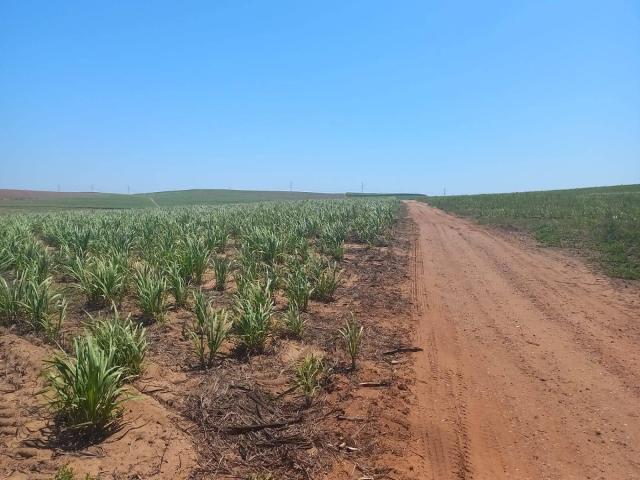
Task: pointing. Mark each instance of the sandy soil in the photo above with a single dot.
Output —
(531, 365)
(149, 443)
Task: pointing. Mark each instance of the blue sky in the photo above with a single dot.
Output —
(403, 96)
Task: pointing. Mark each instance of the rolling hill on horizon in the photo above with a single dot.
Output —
(11, 199)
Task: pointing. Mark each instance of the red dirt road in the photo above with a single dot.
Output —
(531, 362)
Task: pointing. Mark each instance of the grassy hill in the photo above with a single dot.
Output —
(603, 221)
(219, 196)
(41, 200)
(399, 196)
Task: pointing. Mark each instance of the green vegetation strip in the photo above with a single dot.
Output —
(43, 201)
(603, 222)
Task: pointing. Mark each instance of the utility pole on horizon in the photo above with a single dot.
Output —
(362, 187)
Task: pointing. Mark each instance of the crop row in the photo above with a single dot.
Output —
(271, 252)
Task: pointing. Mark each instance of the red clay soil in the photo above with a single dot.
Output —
(531, 365)
(149, 443)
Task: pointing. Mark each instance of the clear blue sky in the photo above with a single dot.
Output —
(405, 96)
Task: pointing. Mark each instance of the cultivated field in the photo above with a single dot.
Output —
(352, 338)
(12, 200)
(19, 200)
(603, 221)
(219, 196)
(203, 342)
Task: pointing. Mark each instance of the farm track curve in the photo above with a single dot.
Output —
(531, 365)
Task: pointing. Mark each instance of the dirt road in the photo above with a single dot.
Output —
(531, 362)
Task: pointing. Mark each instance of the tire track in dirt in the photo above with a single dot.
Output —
(530, 365)
(447, 449)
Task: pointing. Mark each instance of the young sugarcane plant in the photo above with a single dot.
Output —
(326, 283)
(195, 259)
(177, 285)
(45, 310)
(352, 333)
(197, 331)
(127, 339)
(332, 241)
(216, 239)
(103, 281)
(271, 278)
(254, 309)
(209, 331)
(79, 269)
(86, 390)
(221, 267)
(267, 243)
(68, 473)
(216, 330)
(110, 277)
(151, 290)
(298, 288)
(293, 321)
(11, 298)
(308, 375)
(40, 266)
(6, 259)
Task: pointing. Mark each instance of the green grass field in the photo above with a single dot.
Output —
(64, 201)
(35, 201)
(399, 196)
(17, 200)
(221, 196)
(603, 222)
